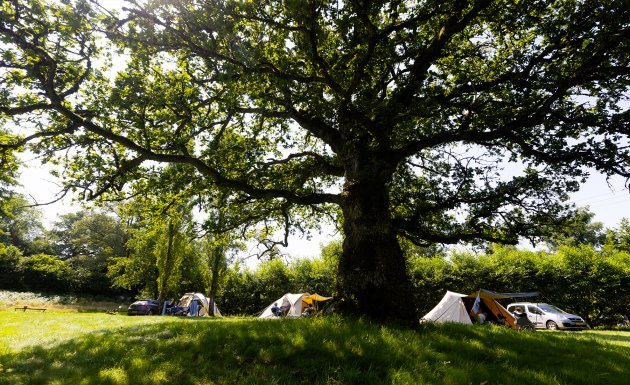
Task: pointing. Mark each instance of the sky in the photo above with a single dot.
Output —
(608, 200)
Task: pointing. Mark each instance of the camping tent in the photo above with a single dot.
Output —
(197, 304)
(450, 309)
(461, 308)
(292, 305)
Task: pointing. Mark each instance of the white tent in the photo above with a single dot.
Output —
(461, 308)
(292, 305)
(450, 309)
(198, 304)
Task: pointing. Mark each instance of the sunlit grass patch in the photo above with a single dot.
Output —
(93, 348)
(114, 376)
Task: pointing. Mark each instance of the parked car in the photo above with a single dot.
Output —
(544, 315)
(144, 307)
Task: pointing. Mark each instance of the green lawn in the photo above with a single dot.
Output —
(64, 347)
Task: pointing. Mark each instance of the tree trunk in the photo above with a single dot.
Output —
(216, 262)
(372, 275)
(165, 273)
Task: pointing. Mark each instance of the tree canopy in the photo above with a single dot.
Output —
(21, 226)
(438, 122)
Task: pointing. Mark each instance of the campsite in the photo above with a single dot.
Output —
(461, 308)
(318, 192)
(483, 306)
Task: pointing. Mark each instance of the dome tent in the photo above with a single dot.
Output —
(292, 305)
(198, 305)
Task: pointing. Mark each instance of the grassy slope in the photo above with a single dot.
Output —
(96, 348)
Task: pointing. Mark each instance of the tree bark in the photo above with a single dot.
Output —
(215, 271)
(167, 268)
(372, 276)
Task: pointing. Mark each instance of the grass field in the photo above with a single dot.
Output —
(69, 347)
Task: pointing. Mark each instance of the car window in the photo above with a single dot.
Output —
(551, 309)
(511, 308)
(533, 309)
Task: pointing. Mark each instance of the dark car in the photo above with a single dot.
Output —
(144, 307)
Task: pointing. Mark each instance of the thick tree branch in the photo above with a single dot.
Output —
(454, 24)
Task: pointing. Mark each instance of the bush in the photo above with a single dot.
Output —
(10, 268)
(42, 272)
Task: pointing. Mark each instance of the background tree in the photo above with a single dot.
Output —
(171, 245)
(238, 294)
(213, 253)
(47, 273)
(163, 259)
(217, 252)
(21, 226)
(580, 230)
(136, 272)
(9, 172)
(61, 234)
(89, 241)
(313, 276)
(219, 242)
(251, 290)
(441, 122)
(619, 238)
(10, 268)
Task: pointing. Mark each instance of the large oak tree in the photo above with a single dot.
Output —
(436, 121)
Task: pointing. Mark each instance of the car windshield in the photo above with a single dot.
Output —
(551, 309)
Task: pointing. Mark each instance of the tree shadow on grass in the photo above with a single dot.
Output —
(322, 351)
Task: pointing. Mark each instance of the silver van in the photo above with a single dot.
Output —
(544, 315)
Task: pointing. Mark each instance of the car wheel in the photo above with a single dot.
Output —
(551, 325)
